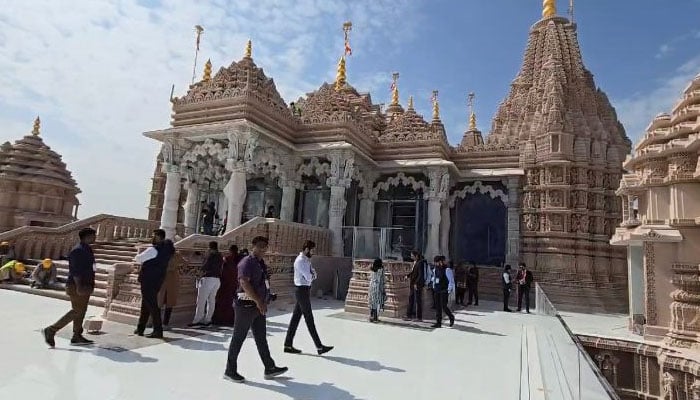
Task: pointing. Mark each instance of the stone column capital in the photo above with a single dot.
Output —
(439, 185)
(168, 168)
(342, 168)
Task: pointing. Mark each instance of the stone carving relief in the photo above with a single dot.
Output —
(650, 275)
(531, 200)
(478, 186)
(555, 175)
(573, 176)
(607, 363)
(533, 177)
(205, 150)
(575, 223)
(314, 167)
(695, 390)
(166, 150)
(400, 179)
(339, 176)
(669, 386)
(556, 198)
(531, 222)
(556, 222)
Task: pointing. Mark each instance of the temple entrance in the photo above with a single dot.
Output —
(315, 198)
(263, 196)
(210, 193)
(479, 229)
(402, 208)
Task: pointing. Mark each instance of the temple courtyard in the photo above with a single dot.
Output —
(488, 354)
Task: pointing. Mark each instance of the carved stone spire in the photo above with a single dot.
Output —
(37, 126)
(395, 89)
(436, 106)
(410, 102)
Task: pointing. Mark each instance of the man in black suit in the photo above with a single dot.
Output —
(473, 285)
(416, 281)
(524, 279)
(441, 287)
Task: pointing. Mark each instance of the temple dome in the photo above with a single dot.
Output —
(37, 188)
(326, 105)
(408, 126)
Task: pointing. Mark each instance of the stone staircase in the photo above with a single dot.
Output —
(106, 255)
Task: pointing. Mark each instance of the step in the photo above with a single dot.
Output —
(113, 252)
(97, 299)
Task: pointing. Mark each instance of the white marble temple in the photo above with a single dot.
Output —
(479, 358)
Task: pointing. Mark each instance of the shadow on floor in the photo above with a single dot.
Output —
(368, 365)
(113, 353)
(470, 329)
(304, 391)
(200, 344)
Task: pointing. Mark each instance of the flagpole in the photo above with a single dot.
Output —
(199, 30)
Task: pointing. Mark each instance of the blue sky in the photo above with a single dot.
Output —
(99, 72)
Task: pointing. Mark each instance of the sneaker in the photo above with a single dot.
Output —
(80, 340)
(235, 377)
(49, 337)
(324, 349)
(275, 371)
(291, 349)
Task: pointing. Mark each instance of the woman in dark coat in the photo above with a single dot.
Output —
(223, 312)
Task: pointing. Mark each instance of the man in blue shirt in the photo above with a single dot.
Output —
(251, 308)
(80, 285)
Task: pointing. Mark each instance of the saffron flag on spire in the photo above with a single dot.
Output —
(393, 86)
(347, 27)
(348, 49)
(199, 30)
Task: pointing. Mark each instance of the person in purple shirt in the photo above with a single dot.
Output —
(250, 310)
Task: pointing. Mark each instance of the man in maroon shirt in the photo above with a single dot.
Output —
(250, 310)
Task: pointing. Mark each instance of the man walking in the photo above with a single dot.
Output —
(80, 285)
(208, 285)
(524, 279)
(441, 286)
(154, 265)
(304, 275)
(416, 280)
(250, 309)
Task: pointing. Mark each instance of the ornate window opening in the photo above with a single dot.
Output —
(555, 144)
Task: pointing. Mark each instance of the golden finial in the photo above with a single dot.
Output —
(207, 71)
(436, 105)
(549, 8)
(340, 79)
(37, 126)
(410, 102)
(472, 116)
(249, 49)
(395, 89)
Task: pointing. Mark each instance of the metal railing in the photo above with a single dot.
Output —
(545, 307)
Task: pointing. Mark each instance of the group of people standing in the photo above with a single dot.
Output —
(522, 282)
(439, 278)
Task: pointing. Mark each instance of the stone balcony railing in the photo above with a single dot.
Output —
(284, 237)
(34, 242)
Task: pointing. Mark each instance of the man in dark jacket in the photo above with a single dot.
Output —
(441, 285)
(473, 285)
(154, 265)
(208, 285)
(80, 285)
(416, 283)
(524, 280)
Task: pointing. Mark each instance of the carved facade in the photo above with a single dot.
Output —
(660, 230)
(335, 159)
(36, 189)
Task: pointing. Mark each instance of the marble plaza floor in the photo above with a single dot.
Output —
(479, 358)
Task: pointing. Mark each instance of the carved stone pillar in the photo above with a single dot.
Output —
(171, 200)
(437, 194)
(289, 195)
(366, 236)
(191, 207)
(342, 165)
(235, 191)
(513, 222)
(445, 230)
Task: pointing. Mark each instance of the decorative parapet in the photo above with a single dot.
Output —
(33, 242)
(284, 237)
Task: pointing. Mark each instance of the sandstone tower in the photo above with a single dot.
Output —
(571, 149)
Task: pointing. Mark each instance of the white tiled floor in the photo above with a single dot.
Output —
(479, 358)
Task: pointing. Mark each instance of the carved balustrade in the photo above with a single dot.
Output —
(33, 242)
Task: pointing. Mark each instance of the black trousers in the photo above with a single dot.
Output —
(149, 305)
(248, 317)
(506, 298)
(473, 289)
(441, 303)
(524, 290)
(459, 295)
(302, 294)
(415, 303)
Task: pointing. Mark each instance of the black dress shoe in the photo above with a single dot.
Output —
(324, 349)
(138, 332)
(49, 337)
(436, 326)
(291, 349)
(275, 371)
(81, 341)
(452, 321)
(155, 335)
(234, 377)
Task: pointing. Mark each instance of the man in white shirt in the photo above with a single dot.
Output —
(507, 286)
(304, 275)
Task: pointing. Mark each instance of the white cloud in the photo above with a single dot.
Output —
(638, 110)
(99, 72)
